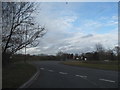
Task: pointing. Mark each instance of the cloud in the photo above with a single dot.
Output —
(87, 44)
(110, 21)
(64, 35)
(87, 36)
(78, 44)
(59, 38)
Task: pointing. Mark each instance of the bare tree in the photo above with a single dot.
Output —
(117, 50)
(18, 27)
(62, 55)
(99, 47)
(100, 50)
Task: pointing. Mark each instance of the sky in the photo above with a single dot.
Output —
(75, 27)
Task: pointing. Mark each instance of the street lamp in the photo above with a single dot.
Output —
(25, 41)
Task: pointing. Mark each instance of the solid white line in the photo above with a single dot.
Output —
(30, 81)
(63, 73)
(50, 70)
(42, 68)
(107, 80)
(81, 76)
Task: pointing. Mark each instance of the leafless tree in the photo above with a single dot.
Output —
(100, 50)
(18, 27)
(117, 50)
(99, 47)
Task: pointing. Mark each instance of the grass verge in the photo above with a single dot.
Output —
(17, 74)
(104, 66)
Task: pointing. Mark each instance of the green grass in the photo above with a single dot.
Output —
(17, 74)
(94, 64)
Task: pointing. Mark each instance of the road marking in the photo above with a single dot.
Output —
(42, 68)
(50, 70)
(107, 80)
(85, 77)
(63, 73)
(77, 75)
(81, 76)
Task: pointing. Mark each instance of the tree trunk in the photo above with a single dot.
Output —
(5, 59)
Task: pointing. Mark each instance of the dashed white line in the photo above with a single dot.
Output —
(63, 73)
(107, 80)
(50, 70)
(81, 76)
(42, 68)
(77, 75)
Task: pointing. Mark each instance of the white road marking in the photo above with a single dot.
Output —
(81, 76)
(77, 75)
(63, 73)
(50, 70)
(107, 80)
(42, 68)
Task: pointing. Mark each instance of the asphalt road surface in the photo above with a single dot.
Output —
(56, 75)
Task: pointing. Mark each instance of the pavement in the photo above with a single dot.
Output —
(56, 75)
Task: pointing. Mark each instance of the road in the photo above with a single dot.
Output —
(56, 75)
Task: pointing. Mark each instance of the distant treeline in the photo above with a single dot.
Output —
(100, 54)
(65, 56)
(21, 57)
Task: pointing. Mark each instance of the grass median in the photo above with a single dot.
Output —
(94, 64)
(13, 76)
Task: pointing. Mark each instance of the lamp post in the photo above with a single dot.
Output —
(25, 41)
